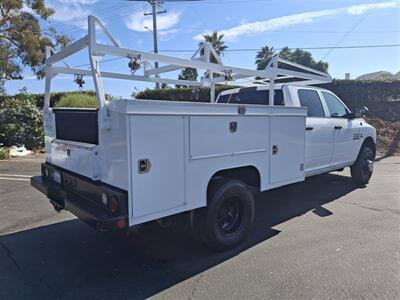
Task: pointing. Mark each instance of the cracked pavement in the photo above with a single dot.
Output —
(324, 238)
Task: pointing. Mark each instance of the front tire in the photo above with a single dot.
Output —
(228, 217)
(361, 170)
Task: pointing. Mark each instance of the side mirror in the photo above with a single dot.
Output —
(364, 111)
(351, 115)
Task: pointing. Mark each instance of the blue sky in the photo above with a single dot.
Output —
(246, 24)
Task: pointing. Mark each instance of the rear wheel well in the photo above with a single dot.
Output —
(248, 174)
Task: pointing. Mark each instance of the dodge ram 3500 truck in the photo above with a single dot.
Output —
(129, 162)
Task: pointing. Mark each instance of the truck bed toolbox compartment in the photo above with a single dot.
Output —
(81, 158)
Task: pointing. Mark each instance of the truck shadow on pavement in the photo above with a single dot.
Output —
(70, 260)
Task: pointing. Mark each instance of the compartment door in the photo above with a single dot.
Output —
(76, 157)
(157, 189)
(287, 142)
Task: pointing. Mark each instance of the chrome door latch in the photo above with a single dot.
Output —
(275, 149)
(233, 127)
(144, 166)
(241, 110)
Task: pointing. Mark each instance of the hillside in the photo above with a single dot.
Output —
(380, 75)
(388, 136)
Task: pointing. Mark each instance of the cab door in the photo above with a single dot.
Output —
(347, 132)
(319, 131)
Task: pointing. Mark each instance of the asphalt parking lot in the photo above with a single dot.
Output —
(321, 239)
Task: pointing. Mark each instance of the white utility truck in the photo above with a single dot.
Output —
(134, 161)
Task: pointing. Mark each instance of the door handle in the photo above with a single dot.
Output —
(309, 128)
(338, 127)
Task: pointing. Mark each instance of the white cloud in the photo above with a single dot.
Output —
(69, 13)
(295, 19)
(166, 35)
(272, 24)
(363, 8)
(72, 12)
(138, 21)
(79, 2)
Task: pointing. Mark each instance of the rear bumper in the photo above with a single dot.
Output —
(94, 214)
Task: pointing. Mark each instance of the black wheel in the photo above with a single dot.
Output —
(361, 170)
(227, 219)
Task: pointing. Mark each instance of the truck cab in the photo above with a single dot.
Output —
(334, 135)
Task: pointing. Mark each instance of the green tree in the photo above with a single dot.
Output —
(285, 52)
(217, 42)
(22, 42)
(188, 74)
(2, 88)
(298, 56)
(304, 58)
(264, 56)
(21, 121)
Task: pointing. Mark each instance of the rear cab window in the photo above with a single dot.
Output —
(310, 99)
(252, 96)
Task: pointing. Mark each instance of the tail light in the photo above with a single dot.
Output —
(113, 204)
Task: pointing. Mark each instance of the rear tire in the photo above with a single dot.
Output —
(228, 217)
(361, 170)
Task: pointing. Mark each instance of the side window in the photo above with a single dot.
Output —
(336, 108)
(278, 98)
(224, 98)
(253, 96)
(229, 98)
(310, 99)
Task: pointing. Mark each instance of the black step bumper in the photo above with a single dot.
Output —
(83, 200)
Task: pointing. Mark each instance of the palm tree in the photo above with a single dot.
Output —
(187, 74)
(217, 42)
(264, 56)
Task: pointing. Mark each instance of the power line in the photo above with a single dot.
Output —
(302, 48)
(102, 61)
(258, 49)
(353, 27)
(155, 6)
(219, 1)
(112, 17)
(109, 15)
(246, 50)
(106, 10)
(109, 12)
(311, 31)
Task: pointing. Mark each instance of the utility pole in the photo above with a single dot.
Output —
(154, 13)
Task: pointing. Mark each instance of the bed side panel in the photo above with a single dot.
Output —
(287, 136)
(114, 154)
(161, 141)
